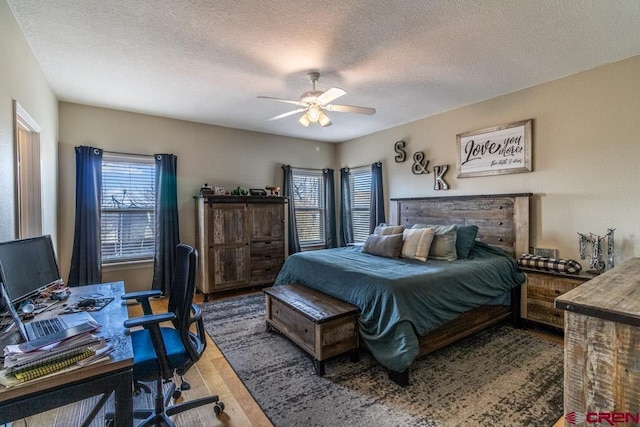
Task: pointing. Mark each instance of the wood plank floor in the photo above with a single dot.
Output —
(211, 375)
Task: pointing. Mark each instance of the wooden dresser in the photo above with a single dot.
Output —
(543, 287)
(602, 344)
(241, 241)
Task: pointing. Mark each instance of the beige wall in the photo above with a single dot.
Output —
(21, 79)
(586, 147)
(206, 154)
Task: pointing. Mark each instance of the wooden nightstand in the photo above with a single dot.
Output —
(543, 287)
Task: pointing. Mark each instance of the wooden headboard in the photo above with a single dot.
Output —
(502, 219)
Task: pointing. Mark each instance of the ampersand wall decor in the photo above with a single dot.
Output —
(420, 165)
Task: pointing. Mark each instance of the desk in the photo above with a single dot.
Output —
(116, 375)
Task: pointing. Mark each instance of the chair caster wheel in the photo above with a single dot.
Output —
(176, 394)
(218, 407)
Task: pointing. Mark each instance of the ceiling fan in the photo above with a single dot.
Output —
(314, 104)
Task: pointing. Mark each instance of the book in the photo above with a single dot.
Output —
(85, 356)
(15, 358)
(41, 370)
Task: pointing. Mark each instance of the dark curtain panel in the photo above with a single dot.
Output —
(346, 218)
(167, 231)
(287, 191)
(376, 214)
(86, 260)
(330, 209)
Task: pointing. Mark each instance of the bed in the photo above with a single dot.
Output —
(410, 308)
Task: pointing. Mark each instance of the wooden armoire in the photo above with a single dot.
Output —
(241, 241)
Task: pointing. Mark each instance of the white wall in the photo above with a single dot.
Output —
(22, 79)
(206, 154)
(586, 147)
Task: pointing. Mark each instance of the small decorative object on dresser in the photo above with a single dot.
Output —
(205, 189)
(273, 191)
(597, 264)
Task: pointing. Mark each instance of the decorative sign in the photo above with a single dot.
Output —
(419, 163)
(398, 147)
(438, 177)
(495, 151)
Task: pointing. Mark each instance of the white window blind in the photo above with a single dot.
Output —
(127, 207)
(308, 202)
(360, 202)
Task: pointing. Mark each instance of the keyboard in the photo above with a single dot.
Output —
(45, 327)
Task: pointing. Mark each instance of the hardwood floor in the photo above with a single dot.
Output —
(211, 375)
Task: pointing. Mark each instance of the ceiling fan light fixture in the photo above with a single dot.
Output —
(313, 113)
(314, 103)
(324, 120)
(304, 120)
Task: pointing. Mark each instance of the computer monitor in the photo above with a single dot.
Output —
(28, 266)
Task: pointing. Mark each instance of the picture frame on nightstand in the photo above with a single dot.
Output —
(545, 253)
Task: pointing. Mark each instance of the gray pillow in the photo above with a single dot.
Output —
(383, 229)
(465, 239)
(443, 246)
(389, 246)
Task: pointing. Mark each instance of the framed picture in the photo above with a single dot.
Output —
(494, 151)
(546, 253)
(218, 191)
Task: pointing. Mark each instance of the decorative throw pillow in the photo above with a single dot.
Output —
(550, 264)
(389, 246)
(443, 246)
(465, 239)
(416, 243)
(384, 229)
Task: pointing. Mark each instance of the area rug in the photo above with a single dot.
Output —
(499, 377)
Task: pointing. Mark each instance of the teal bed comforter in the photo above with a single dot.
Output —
(401, 299)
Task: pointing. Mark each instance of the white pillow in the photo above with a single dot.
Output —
(416, 243)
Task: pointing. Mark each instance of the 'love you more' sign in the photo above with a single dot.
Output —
(497, 150)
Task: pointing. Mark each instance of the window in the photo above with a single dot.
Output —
(360, 183)
(127, 208)
(308, 202)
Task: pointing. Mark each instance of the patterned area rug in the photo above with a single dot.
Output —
(499, 377)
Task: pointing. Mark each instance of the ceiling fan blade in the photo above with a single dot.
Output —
(287, 114)
(288, 101)
(350, 109)
(330, 95)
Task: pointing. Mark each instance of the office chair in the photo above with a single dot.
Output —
(162, 351)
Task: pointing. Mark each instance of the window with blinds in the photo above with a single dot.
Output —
(308, 202)
(360, 182)
(128, 208)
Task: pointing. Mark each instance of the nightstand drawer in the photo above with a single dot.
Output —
(542, 290)
(545, 312)
(548, 288)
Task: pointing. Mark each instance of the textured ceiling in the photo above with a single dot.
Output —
(207, 61)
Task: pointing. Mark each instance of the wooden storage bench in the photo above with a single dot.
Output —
(321, 325)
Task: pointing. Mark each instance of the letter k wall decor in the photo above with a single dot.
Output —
(495, 151)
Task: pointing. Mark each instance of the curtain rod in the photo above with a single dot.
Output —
(128, 154)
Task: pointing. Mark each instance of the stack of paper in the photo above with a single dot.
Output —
(74, 352)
